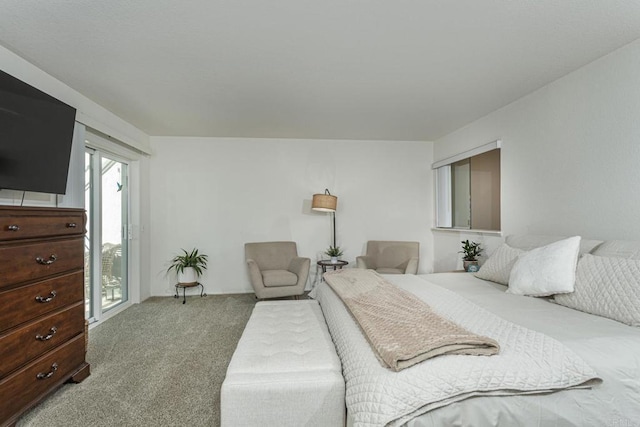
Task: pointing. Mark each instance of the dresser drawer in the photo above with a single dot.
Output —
(36, 338)
(31, 223)
(23, 388)
(20, 263)
(20, 305)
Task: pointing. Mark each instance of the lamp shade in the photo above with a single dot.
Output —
(324, 203)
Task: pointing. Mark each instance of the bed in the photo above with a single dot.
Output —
(609, 395)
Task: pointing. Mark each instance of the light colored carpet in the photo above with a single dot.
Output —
(159, 363)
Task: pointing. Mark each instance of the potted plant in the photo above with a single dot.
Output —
(188, 266)
(470, 251)
(334, 252)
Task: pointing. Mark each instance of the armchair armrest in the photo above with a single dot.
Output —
(365, 262)
(412, 266)
(254, 273)
(298, 264)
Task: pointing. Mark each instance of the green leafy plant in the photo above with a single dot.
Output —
(189, 259)
(470, 250)
(334, 251)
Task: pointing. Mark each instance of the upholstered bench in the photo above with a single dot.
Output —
(285, 370)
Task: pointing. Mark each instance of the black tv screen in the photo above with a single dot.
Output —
(36, 131)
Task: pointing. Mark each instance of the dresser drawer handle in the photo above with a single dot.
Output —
(47, 337)
(43, 376)
(13, 227)
(49, 261)
(72, 225)
(47, 299)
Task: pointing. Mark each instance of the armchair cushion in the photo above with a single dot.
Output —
(279, 278)
(383, 270)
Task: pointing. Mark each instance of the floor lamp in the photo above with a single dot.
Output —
(326, 203)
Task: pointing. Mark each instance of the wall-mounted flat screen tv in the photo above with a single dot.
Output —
(36, 131)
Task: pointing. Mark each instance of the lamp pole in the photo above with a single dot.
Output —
(333, 214)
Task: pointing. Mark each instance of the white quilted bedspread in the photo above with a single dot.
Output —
(529, 362)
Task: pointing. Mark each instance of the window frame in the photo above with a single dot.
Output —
(443, 191)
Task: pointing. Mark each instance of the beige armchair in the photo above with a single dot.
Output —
(388, 257)
(275, 269)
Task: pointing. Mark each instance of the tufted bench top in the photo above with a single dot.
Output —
(285, 370)
(285, 337)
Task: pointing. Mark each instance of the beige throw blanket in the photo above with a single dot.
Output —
(401, 329)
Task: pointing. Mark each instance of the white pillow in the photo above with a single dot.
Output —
(526, 242)
(548, 270)
(498, 267)
(608, 287)
(619, 249)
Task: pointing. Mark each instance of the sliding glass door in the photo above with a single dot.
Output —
(106, 245)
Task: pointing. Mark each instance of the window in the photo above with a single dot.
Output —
(468, 189)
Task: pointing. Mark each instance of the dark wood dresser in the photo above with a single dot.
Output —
(42, 326)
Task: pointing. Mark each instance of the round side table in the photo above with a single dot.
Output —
(324, 263)
(184, 287)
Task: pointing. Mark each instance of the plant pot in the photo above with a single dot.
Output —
(334, 260)
(469, 263)
(188, 276)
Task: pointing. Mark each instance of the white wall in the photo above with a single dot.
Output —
(216, 194)
(570, 157)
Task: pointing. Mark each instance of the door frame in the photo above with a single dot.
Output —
(97, 144)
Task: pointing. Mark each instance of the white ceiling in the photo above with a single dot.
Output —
(339, 69)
